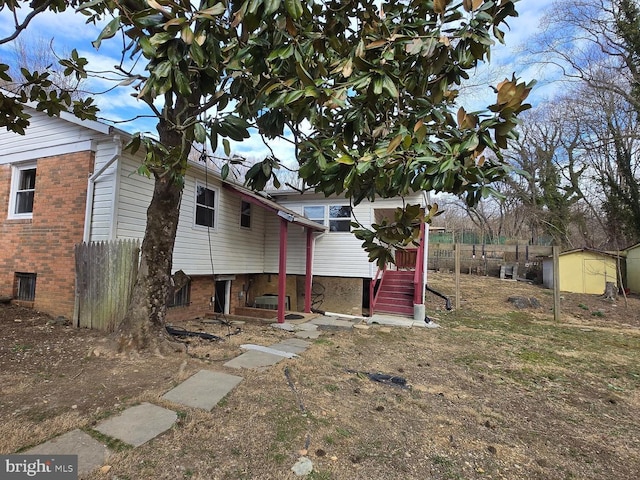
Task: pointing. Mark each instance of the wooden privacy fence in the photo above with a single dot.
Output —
(105, 275)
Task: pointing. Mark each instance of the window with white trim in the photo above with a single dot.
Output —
(315, 213)
(337, 217)
(23, 188)
(245, 214)
(206, 206)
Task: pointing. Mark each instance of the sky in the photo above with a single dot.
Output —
(70, 31)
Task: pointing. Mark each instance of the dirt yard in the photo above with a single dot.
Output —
(496, 393)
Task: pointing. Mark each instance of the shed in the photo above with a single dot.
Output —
(633, 268)
(582, 270)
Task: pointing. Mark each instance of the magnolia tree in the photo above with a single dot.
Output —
(367, 92)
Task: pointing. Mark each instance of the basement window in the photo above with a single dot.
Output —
(182, 297)
(26, 286)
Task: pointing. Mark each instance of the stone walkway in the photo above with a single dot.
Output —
(139, 424)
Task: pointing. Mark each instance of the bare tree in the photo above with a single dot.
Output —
(33, 53)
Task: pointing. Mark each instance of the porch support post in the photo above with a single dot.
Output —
(419, 278)
(308, 279)
(282, 270)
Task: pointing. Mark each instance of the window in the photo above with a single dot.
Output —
(23, 187)
(205, 206)
(338, 217)
(245, 214)
(26, 286)
(315, 213)
(181, 297)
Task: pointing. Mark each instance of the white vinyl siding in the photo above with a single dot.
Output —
(134, 198)
(336, 254)
(45, 136)
(106, 188)
(234, 250)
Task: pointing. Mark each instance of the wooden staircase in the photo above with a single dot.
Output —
(395, 295)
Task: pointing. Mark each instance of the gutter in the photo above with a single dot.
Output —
(91, 187)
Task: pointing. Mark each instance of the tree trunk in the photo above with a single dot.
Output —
(143, 327)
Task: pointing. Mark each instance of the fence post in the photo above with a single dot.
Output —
(556, 284)
(456, 256)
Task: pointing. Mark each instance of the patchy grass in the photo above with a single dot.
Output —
(495, 393)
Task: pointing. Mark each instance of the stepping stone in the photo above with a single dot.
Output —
(137, 425)
(291, 345)
(289, 327)
(332, 323)
(203, 390)
(306, 327)
(262, 348)
(254, 359)
(91, 453)
(310, 335)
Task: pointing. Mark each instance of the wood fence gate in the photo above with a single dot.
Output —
(105, 275)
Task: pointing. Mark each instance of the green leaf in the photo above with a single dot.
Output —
(294, 8)
(271, 6)
(181, 82)
(107, 32)
(345, 159)
(162, 70)
(197, 54)
(282, 53)
(224, 171)
(390, 87)
(217, 9)
(227, 147)
(199, 133)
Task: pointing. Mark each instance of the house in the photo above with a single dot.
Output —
(582, 270)
(633, 268)
(342, 274)
(69, 181)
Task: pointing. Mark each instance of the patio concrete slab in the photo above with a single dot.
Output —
(91, 453)
(306, 327)
(137, 425)
(332, 323)
(254, 359)
(203, 390)
(395, 321)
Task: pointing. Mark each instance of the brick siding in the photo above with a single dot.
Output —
(44, 244)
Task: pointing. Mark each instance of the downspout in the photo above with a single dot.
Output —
(88, 214)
